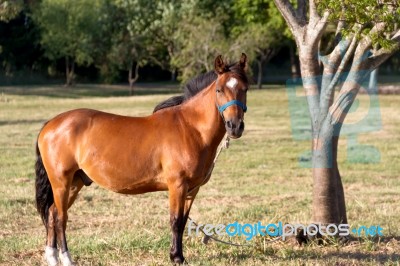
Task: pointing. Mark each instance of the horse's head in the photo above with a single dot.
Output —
(231, 88)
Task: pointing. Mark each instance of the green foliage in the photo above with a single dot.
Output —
(140, 36)
(201, 41)
(224, 27)
(10, 9)
(176, 35)
(70, 28)
(257, 31)
(263, 12)
(365, 15)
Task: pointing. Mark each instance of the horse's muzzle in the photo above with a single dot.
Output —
(234, 128)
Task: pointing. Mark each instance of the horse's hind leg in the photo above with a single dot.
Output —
(65, 190)
(76, 186)
(177, 197)
(51, 247)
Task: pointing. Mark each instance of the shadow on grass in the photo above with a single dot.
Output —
(379, 254)
(90, 90)
(360, 256)
(18, 122)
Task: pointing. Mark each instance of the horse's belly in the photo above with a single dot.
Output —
(126, 180)
(140, 188)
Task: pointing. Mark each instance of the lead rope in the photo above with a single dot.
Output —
(206, 238)
(224, 145)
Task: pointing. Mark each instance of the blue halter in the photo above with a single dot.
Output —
(233, 102)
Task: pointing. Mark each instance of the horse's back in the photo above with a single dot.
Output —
(65, 136)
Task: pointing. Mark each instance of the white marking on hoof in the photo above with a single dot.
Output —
(51, 256)
(232, 82)
(65, 258)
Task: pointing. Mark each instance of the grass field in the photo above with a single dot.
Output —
(257, 179)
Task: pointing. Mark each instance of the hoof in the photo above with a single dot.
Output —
(177, 259)
(344, 240)
(301, 237)
(65, 259)
(50, 255)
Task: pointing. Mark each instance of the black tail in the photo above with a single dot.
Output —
(44, 193)
(173, 101)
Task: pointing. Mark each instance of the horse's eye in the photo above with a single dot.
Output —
(218, 90)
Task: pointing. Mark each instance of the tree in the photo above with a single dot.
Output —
(164, 30)
(201, 39)
(129, 54)
(260, 43)
(68, 30)
(361, 25)
(193, 32)
(258, 31)
(134, 43)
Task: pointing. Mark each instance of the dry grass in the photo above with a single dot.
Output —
(257, 179)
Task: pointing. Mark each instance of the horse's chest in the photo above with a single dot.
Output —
(199, 165)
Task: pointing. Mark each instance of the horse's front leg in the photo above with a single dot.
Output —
(191, 195)
(177, 197)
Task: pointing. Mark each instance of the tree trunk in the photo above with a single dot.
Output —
(132, 79)
(173, 74)
(328, 195)
(260, 74)
(373, 80)
(69, 71)
(131, 90)
(294, 64)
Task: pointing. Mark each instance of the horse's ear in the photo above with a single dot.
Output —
(243, 61)
(219, 65)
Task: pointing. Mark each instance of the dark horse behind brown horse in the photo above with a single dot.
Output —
(172, 149)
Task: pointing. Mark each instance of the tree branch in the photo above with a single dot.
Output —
(289, 14)
(317, 26)
(366, 43)
(340, 25)
(157, 62)
(349, 53)
(331, 63)
(338, 34)
(313, 11)
(360, 68)
(383, 54)
(327, 93)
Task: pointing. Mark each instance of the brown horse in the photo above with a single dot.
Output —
(172, 149)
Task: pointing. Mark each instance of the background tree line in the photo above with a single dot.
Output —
(118, 40)
(113, 40)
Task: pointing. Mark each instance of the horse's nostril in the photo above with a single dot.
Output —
(229, 124)
(241, 126)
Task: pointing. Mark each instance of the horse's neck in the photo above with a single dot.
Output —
(201, 113)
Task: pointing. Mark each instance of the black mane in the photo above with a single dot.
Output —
(198, 84)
